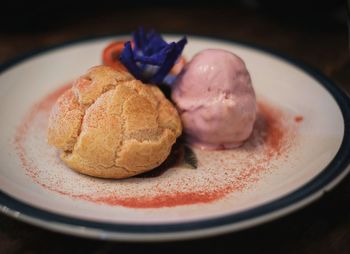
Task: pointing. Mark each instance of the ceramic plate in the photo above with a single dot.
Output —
(298, 150)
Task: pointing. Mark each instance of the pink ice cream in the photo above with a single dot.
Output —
(216, 100)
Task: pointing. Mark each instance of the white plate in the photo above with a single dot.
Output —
(305, 153)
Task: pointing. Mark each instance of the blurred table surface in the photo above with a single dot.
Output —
(322, 227)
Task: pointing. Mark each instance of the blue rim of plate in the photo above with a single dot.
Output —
(336, 169)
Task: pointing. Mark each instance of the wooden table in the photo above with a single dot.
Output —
(323, 227)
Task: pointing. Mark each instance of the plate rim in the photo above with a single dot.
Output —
(328, 178)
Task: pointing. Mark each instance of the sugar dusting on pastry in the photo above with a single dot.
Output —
(112, 126)
(219, 173)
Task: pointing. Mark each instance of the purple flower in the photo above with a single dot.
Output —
(151, 58)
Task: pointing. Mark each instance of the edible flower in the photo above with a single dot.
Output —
(149, 57)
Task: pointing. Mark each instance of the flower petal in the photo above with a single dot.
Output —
(170, 61)
(151, 57)
(127, 58)
(155, 59)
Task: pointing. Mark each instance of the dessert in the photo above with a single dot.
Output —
(111, 125)
(216, 100)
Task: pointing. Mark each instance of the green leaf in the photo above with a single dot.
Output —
(190, 157)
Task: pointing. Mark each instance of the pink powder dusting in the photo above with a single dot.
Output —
(44, 105)
(270, 133)
(298, 119)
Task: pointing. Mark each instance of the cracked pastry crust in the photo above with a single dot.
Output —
(112, 126)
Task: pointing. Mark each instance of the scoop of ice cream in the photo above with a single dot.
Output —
(216, 100)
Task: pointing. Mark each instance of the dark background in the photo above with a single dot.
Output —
(314, 32)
